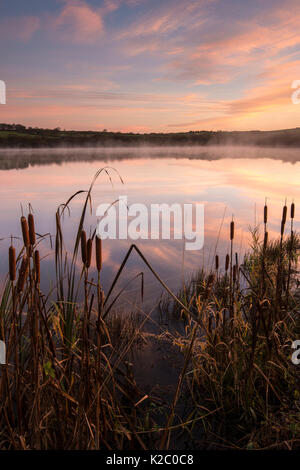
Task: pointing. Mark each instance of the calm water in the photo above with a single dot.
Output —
(230, 181)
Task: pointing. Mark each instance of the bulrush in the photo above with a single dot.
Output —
(283, 220)
(83, 247)
(31, 229)
(98, 243)
(22, 273)
(284, 213)
(265, 214)
(12, 263)
(231, 230)
(292, 210)
(217, 262)
(227, 263)
(25, 231)
(37, 266)
(89, 249)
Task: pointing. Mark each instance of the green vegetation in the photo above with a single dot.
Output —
(69, 381)
(16, 135)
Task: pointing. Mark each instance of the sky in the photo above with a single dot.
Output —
(150, 65)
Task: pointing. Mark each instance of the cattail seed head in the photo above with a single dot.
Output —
(98, 243)
(284, 213)
(83, 247)
(37, 266)
(12, 263)
(31, 229)
(227, 262)
(25, 231)
(231, 230)
(89, 249)
(292, 210)
(217, 262)
(22, 273)
(265, 214)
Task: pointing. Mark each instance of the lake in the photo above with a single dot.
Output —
(231, 181)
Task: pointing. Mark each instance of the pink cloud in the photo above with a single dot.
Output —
(204, 50)
(21, 29)
(192, 44)
(77, 22)
(168, 17)
(267, 105)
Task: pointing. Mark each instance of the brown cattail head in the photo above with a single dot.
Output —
(266, 240)
(22, 273)
(292, 210)
(12, 263)
(283, 220)
(25, 231)
(98, 242)
(265, 214)
(37, 266)
(227, 263)
(231, 230)
(217, 262)
(89, 249)
(284, 213)
(31, 229)
(83, 247)
(236, 259)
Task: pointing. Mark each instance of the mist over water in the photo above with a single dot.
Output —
(227, 180)
(22, 158)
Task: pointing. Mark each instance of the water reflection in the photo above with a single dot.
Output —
(227, 181)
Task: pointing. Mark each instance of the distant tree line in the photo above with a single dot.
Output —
(17, 135)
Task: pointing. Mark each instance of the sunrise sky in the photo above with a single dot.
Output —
(150, 65)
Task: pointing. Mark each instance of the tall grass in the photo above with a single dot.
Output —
(243, 371)
(68, 382)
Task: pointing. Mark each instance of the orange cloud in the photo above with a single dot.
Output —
(267, 105)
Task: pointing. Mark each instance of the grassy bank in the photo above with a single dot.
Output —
(69, 381)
